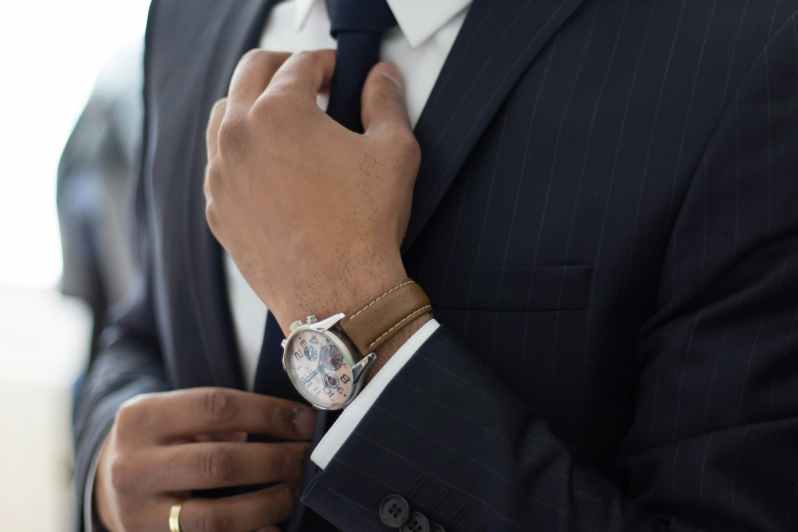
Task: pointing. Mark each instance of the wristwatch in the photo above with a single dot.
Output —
(327, 360)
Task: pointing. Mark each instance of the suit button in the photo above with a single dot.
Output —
(394, 511)
(437, 528)
(418, 522)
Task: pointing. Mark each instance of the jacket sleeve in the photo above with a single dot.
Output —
(713, 442)
(129, 362)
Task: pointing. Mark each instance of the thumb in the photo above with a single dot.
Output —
(383, 99)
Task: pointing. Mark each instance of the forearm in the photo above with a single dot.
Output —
(453, 441)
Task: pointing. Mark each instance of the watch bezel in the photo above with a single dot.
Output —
(347, 351)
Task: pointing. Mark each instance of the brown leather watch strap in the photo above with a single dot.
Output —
(385, 315)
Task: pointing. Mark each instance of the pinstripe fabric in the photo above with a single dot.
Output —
(653, 146)
(605, 221)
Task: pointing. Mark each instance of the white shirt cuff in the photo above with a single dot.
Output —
(337, 435)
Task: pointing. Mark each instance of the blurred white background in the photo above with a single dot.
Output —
(50, 54)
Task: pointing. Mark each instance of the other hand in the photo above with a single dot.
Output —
(163, 446)
(312, 213)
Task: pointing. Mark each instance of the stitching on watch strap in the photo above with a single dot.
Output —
(381, 296)
(401, 323)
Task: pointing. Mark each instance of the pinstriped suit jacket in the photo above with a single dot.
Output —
(606, 220)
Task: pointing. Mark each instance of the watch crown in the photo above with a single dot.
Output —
(294, 325)
(311, 319)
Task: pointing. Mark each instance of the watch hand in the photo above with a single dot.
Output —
(311, 376)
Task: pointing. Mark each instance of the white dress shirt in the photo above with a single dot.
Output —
(418, 47)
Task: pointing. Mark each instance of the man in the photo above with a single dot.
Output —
(603, 219)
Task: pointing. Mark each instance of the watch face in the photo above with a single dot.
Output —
(320, 368)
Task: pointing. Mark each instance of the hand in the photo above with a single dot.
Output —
(312, 213)
(163, 446)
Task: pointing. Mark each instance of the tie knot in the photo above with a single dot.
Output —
(360, 16)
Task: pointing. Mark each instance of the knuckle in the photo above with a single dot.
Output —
(254, 55)
(282, 419)
(260, 58)
(406, 145)
(211, 189)
(264, 110)
(233, 134)
(294, 464)
(218, 405)
(133, 413)
(218, 465)
(125, 417)
(129, 515)
(307, 56)
(214, 520)
(286, 466)
(213, 179)
(284, 498)
(218, 106)
(279, 502)
(278, 463)
(211, 217)
(274, 110)
(127, 520)
(122, 474)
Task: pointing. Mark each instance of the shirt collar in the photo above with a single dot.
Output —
(418, 19)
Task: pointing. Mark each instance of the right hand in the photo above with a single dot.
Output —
(163, 446)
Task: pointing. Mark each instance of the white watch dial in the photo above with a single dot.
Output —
(320, 370)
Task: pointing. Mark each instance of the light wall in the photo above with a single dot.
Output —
(50, 53)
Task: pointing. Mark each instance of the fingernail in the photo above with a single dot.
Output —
(305, 421)
(390, 71)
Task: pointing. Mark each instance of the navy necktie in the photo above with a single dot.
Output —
(358, 27)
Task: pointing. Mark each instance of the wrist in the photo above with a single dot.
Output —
(329, 360)
(346, 290)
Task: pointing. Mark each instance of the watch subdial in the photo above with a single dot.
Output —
(310, 352)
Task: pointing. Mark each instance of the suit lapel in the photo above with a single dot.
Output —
(498, 41)
(239, 28)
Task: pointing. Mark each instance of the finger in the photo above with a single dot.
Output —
(212, 133)
(222, 436)
(198, 466)
(171, 416)
(253, 74)
(238, 513)
(383, 100)
(304, 75)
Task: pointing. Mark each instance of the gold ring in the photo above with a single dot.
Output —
(174, 518)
